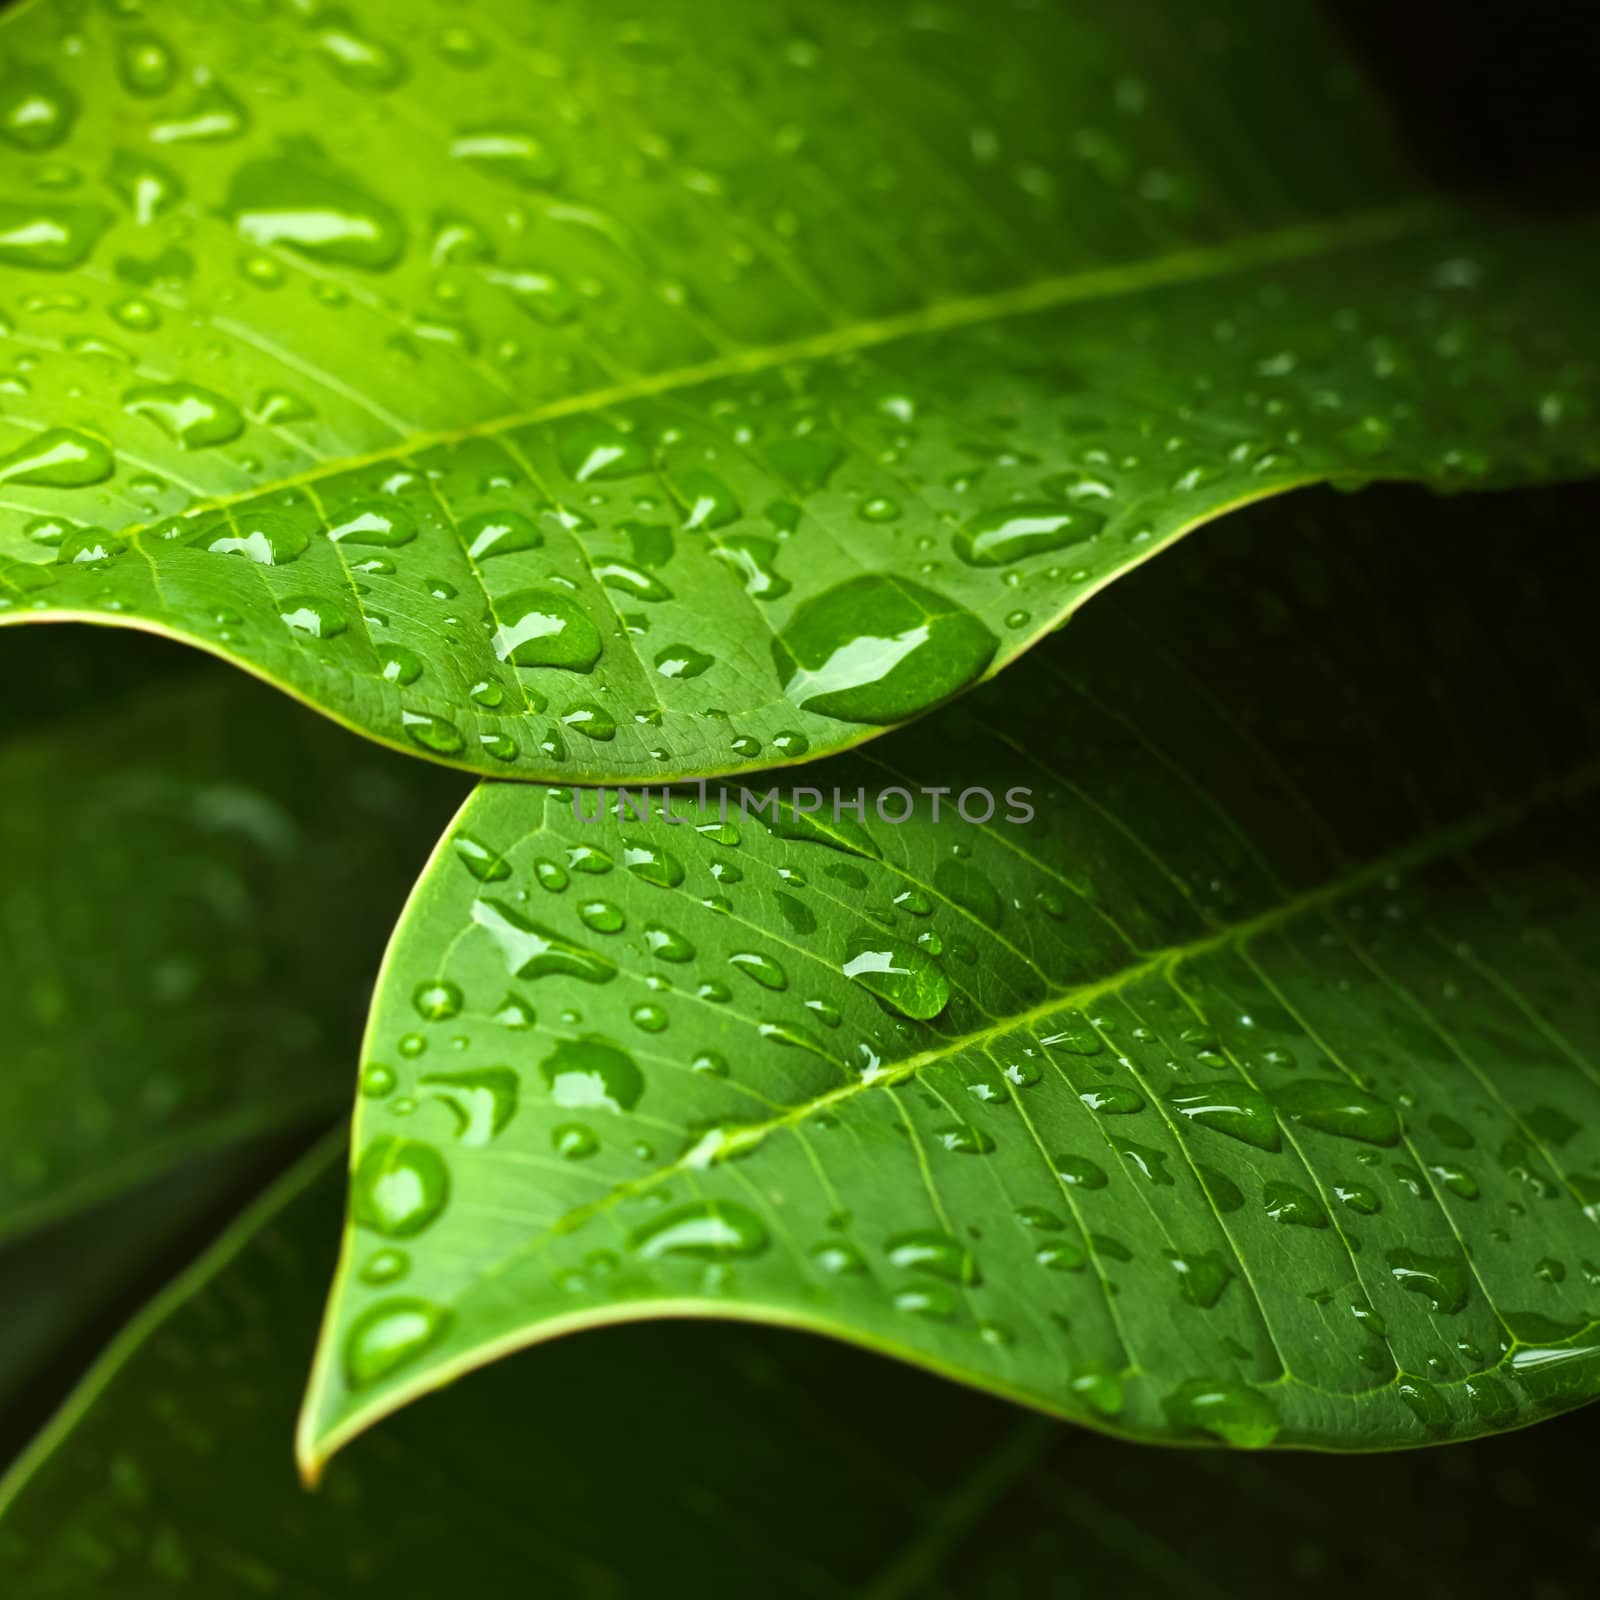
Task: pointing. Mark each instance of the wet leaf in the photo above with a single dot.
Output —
(1247, 1091)
(796, 1465)
(587, 397)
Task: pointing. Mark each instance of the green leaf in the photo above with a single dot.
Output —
(759, 1461)
(596, 397)
(1247, 1092)
(196, 878)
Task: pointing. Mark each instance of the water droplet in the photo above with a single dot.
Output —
(378, 1080)
(587, 1074)
(433, 733)
(630, 580)
(652, 863)
(363, 62)
(1444, 1280)
(1233, 1412)
(1202, 1276)
(602, 916)
(899, 974)
(486, 865)
(312, 616)
(196, 418)
(1010, 533)
(385, 1266)
(148, 187)
(1358, 1198)
(706, 1230)
(58, 458)
(399, 665)
(378, 524)
(1235, 1109)
(499, 533)
(878, 650)
(540, 628)
(145, 63)
(317, 212)
(1345, 1109)
(37, 111)
(513, 155)
(399, 1187)
(667, 944)
(531, 950)
(1113, 1100)
(837, 1257)
(936, 1254)
(682, 661)
(707, 501)
(387, 1336)
(483, 1100)
(1424, 1402)
(49, 238)
(594, 451)
(437, 1001)
(1079, 1171)
(963, 1138)
(591, 720)
(753, 558)
(1296, 1207)
(265, 537)
(760, 968)
(574, 1141)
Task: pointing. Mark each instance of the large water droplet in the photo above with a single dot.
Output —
(652, 863)
(540, 628)
(49, 238)
(399, 1186)
(898, 973)
(312, 616)
(317, 212)
(1009, 533)
(936, 1254)
(1332, 1106)
(265, 537)
(706, 1230)
(196, 418)
(388, 1335)
(760, 968)
(499, 533)
(58, 458)
(593, 451)
(514, 155)
(379, 524)
(592, 1074)
(879, 650)
(534, 951)
(1235, 1109)
(1444, 1280)
(1233, 1412)
(37, 110)
(482, 1099)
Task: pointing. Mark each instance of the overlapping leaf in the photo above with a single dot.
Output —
(597, 393)
(196, 879)
(1249, 1091)
(772, 1461)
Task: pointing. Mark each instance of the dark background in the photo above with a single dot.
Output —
(1499, 95)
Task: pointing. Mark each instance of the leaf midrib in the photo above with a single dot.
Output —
(1297, 242)
(1446, 842)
